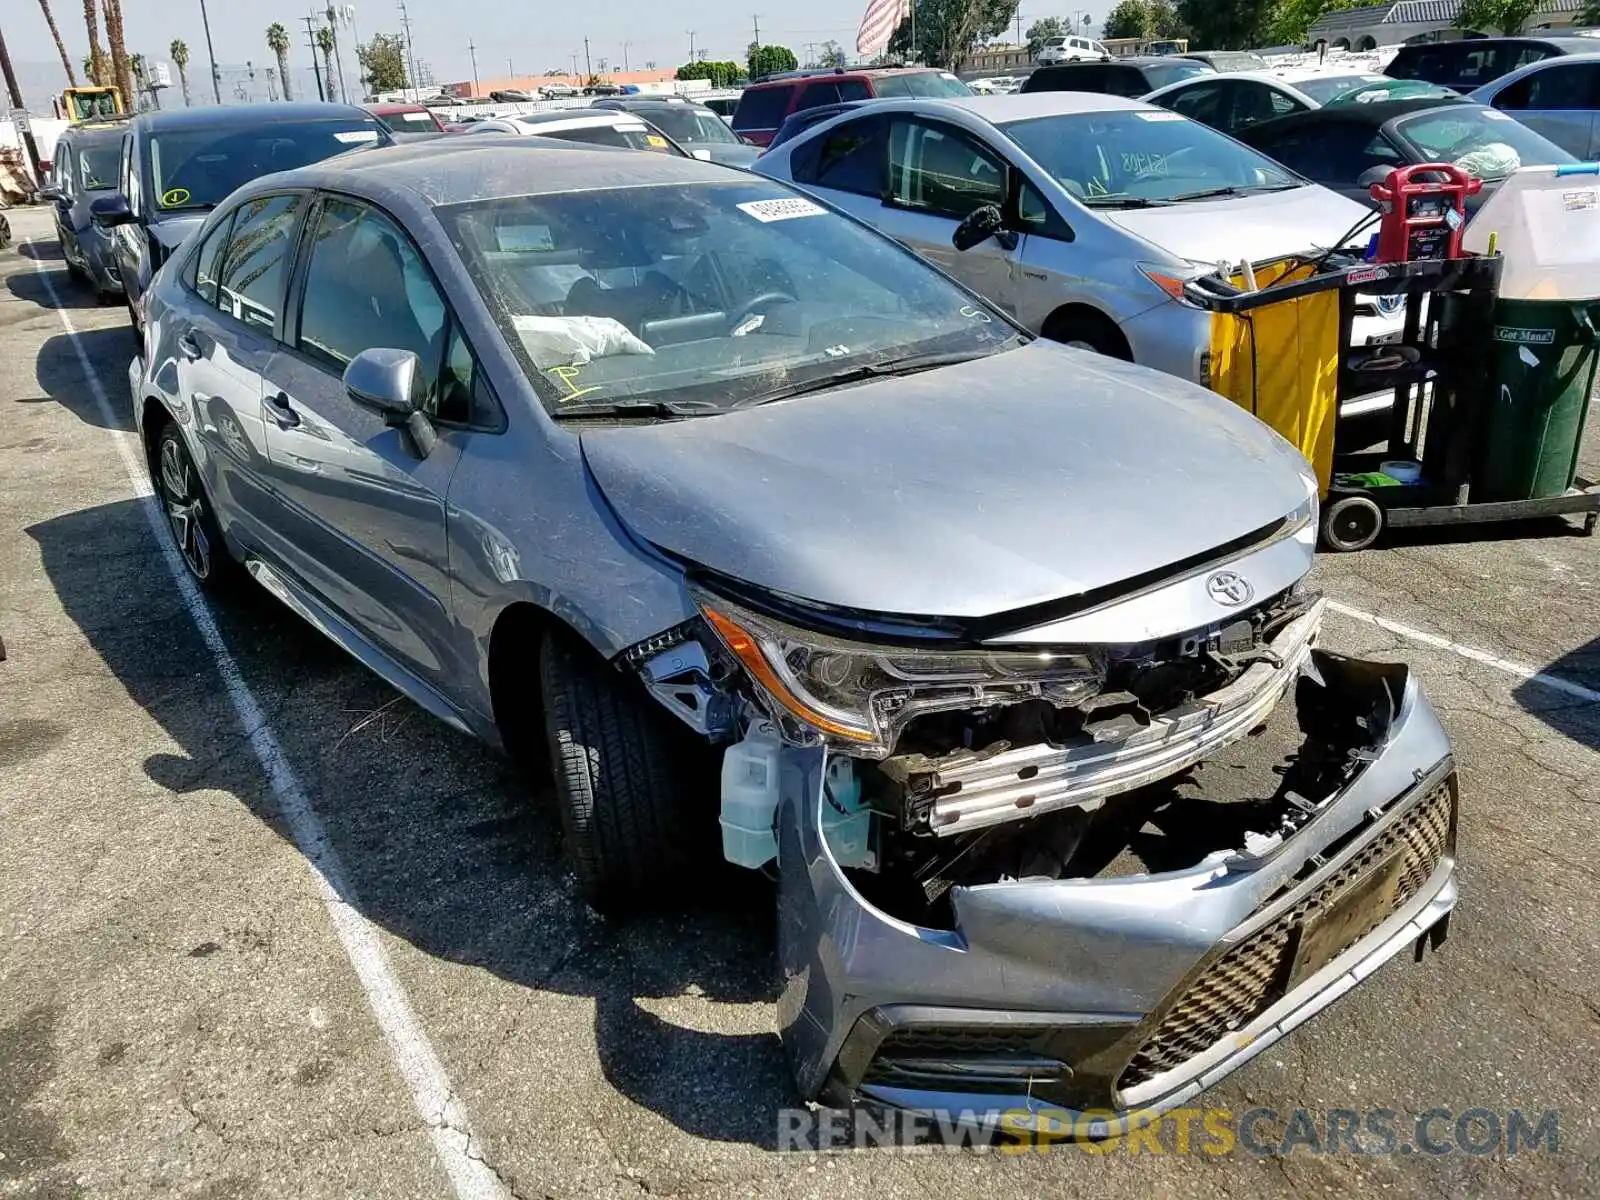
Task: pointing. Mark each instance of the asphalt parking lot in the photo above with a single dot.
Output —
(267, 929)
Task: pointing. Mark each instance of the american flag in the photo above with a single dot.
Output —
(878, 24)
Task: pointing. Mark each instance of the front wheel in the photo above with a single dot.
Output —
(195, 532)
(623, 780)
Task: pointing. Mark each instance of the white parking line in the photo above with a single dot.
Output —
(1532, 675)
(431, 1090)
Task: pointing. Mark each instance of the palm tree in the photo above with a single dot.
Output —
(278, 43)
(119, 47)
(325, 44)
(179, 52)
(97, 56)
(61, 47)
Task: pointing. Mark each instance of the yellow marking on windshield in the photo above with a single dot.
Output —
(568, 375)
(174, 197)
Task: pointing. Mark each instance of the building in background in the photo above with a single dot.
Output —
(1397, 21)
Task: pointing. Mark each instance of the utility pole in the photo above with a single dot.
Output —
(588, 67)
(211, 53)
(625, 56)
(338, 58)
(472, 52)
(1019, 24)
(28, 143)
(411, 54)
(691, 47)
(755, 21)
(316, 68)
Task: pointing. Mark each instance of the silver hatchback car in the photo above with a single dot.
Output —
(1100, 209)
(750, 519)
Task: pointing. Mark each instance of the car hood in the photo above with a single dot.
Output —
(171, 232)
(966, 491)
(1259, 228)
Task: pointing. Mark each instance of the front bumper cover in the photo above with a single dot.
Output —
(1127, 995)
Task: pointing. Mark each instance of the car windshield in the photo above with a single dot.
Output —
(1161, 74)
(934, 84)
(629, 137)
(1365, 89)
(704, 297)
(1482, 141)
(197, 168)
(692, 126)
(1237, 60)
(409, 122)
(97, 166)
(1135, 158)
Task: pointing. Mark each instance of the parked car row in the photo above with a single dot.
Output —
(751, 504)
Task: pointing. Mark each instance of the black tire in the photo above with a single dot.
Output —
(623, 776)
(1086, 332)
(1351, 523)
(190, 517)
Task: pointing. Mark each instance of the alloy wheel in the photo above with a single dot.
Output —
(185, 505)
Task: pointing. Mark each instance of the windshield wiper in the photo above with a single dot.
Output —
(1234, 190)
(910, 364)
(635, 408)
(1122, 202)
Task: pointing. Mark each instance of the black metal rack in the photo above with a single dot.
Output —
(1446, 364)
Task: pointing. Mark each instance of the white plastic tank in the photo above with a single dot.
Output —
(750, 797)
(1546, 223)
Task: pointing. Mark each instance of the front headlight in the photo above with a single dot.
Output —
(861, 696)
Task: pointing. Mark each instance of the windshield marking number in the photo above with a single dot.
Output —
(767, 211)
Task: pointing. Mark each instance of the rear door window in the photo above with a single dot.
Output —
(825, 91)
(1203, 102)
(1564, 86)
(762, 108)
(851, 157)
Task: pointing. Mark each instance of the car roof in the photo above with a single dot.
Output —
(875, 72)
(649, 103)
(96, 130)
(437, 171)
(1022, 106)
(576, 118)
(1573, 45)
(212, 116)
(1132, 60)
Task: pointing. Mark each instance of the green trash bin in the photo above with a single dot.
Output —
(1532, 427)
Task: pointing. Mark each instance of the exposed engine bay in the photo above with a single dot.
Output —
(1032, 771)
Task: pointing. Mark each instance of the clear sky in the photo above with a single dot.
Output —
(532, 37)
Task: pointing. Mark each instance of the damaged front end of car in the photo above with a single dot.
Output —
(1045, 878)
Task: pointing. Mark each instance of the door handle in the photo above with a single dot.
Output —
(189, 348)
(279, 410)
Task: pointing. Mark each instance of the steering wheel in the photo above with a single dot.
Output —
(764, 300)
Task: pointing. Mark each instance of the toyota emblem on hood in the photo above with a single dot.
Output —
(1230, 589)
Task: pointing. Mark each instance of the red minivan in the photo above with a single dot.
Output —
(764, 105)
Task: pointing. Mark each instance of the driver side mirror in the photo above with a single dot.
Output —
(390, 383)
(1373, 175)
(109, 211)
(387, 381)
(977, 227)
(51, 194)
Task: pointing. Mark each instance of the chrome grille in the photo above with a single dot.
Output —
(1250, 977)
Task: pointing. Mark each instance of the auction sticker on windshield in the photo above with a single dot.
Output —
(1161, 116)
(781, 210)
(352, 136)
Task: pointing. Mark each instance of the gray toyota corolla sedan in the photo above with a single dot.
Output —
(785, 546)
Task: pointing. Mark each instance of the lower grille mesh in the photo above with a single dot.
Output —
(1249, 978)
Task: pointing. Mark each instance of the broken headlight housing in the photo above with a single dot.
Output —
(859, 696)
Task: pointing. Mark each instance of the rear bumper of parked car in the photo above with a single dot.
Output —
(1127, 994)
